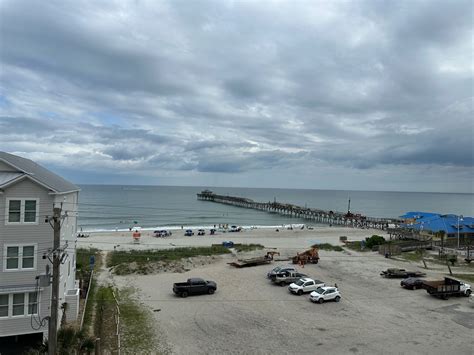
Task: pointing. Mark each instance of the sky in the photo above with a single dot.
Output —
(353, 95)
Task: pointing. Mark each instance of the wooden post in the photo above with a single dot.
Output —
(53, 320)
(97, 346)
(449, 267)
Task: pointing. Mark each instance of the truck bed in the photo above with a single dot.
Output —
(442, 287)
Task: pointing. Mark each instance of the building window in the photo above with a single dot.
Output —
(14, 211)
(20, 257)
(3, 306)
(18, 304)
(13, 258)
(30, 211)
(28, 258)
(22, 211)
(32, 303)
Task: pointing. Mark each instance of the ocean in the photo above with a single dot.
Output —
(116, 207)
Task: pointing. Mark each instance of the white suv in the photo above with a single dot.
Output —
(305, 285)
(325, 294)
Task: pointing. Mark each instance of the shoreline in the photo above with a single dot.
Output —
(268, 237)
(206, 227)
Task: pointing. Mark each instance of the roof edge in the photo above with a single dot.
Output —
(12, 165)
(65, 192)
(11, 182)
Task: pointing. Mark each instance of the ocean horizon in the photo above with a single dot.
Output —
(119, 207)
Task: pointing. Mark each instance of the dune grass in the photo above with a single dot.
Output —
(138, 335)
(328, 246)
(144, 256)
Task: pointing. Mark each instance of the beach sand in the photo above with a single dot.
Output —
(297, 238)
(250, 315)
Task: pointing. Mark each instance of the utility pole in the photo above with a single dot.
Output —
(53, 321)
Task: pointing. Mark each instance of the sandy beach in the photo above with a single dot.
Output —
(250, 315)
(297, 238)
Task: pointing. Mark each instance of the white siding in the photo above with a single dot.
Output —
(68, 235)
(40, 234)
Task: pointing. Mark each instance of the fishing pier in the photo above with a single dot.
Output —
(319, 216)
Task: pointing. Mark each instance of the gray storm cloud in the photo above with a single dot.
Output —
(254, 89)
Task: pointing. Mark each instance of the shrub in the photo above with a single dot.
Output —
(328, 246)
(373, 241)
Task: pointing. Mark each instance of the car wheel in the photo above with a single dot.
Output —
(468, 293)
(282, 284)
(337, 299)
(321, 300)
(300, 292)
(211, 291)
(184, 294)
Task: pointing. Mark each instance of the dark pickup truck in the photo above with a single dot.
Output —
(194, 286)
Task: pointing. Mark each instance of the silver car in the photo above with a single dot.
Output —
(279, 269)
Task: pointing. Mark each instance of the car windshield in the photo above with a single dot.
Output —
(320, 290)
(318, 282)
(300, 282)
(277, 269)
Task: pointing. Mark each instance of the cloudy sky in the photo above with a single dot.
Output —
(366, 95)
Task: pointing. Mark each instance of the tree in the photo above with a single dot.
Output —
(374, 240)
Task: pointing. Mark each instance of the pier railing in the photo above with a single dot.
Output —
(313, 214)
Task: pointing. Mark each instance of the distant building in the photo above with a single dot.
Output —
(434, 222)
(28, 193)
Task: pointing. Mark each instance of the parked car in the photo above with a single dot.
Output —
(280, 268)
(235, 229)
(162, 233)
(305, 285)
(287, 277)
(201, 232)
(322, 294)
(188, 233)
(412, 283)
(194, 286)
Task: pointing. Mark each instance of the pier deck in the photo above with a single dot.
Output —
(319, 216)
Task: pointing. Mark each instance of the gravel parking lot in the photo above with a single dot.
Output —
(250, 315)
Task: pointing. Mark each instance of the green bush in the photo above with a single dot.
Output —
(328, 246)
(452, 258)
(373, 241)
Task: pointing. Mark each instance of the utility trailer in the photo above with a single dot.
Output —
(401, 273)
(260, 260)
(446, 288)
